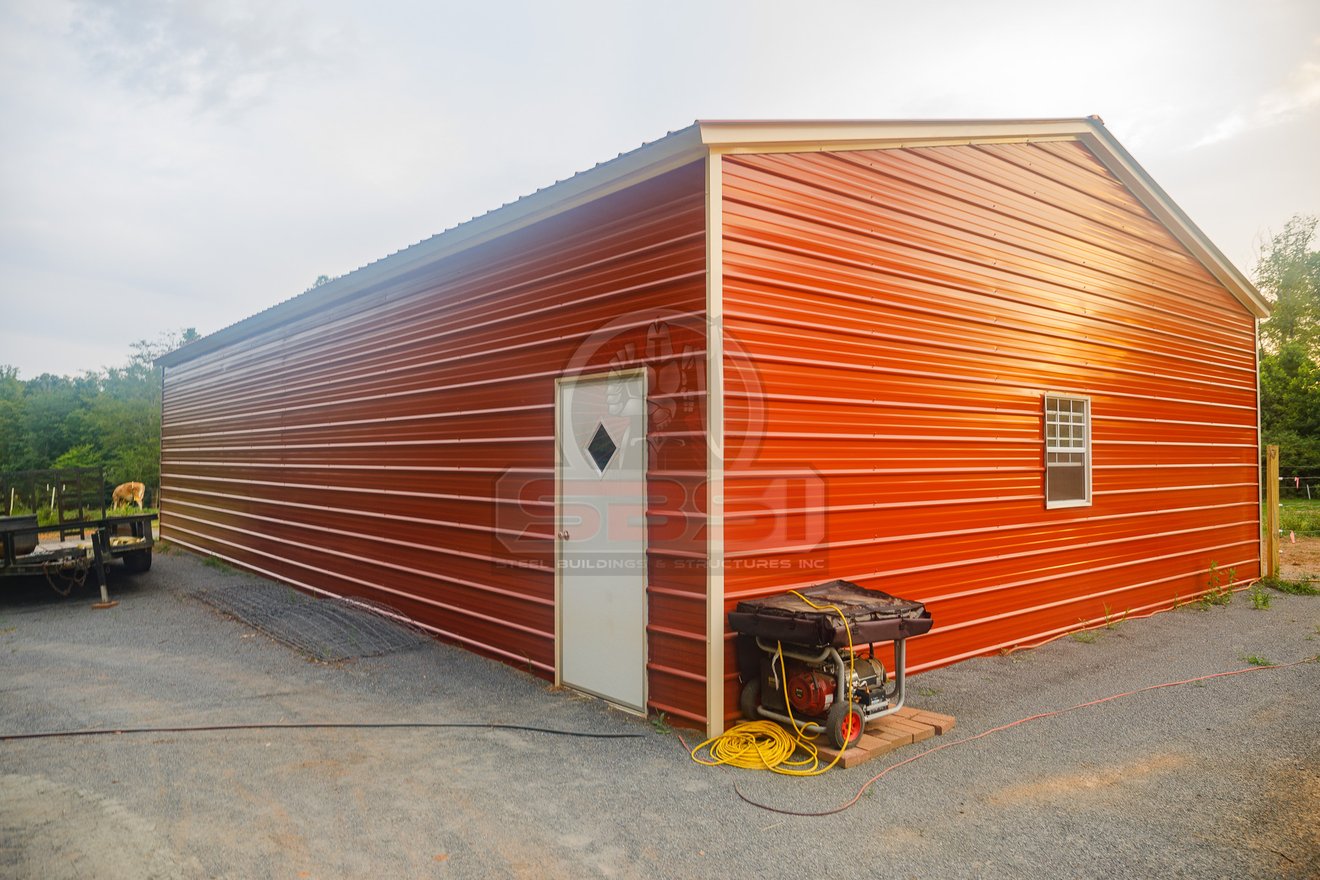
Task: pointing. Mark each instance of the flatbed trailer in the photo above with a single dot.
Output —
(66, 551)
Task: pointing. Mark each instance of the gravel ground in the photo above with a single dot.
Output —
(1215, 779)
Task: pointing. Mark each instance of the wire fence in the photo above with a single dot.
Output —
(328, 629)
(1299, 506)
(1298, 488)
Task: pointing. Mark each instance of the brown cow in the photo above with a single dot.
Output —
(126, 493)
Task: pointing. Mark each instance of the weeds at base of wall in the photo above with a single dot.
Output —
(217, 564)
(1221, 588)
(1260, 600)
(1215, 598)
(1090, 634)
(660, 724)
(1112, 622)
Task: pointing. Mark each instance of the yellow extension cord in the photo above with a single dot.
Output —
(766, 745)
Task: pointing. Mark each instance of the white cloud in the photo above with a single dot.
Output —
(217, 56)
(1299, 96)
(204, 159)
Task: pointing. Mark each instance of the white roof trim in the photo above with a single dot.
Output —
(672, 151)
(1121, 164)
(840, 133)
(716, 136)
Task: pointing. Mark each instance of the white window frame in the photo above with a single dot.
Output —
(1070, 448)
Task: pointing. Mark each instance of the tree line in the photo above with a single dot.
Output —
(108, 419)
(111, 418)
(1288, 273)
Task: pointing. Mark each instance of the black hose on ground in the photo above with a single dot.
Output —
(315, 725)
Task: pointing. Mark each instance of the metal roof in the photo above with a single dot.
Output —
(730, 136)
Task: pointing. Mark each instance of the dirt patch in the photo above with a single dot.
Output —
(1300, 560)
(1067, 785)
(57, 831)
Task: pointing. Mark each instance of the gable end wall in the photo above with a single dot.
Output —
(892, 319)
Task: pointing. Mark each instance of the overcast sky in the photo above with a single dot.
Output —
(176, 164)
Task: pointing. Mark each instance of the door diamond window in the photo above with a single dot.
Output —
(602, 447)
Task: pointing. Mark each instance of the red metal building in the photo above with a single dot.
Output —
(989, 365)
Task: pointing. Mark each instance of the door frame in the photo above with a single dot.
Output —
(560, 382)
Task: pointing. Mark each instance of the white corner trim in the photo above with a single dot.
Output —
(714, 445)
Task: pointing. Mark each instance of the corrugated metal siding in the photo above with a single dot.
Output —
(399, 446)
(892, 320)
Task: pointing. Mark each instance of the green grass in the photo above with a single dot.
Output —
(1257, 660)
(1260, 600)
(1300, 515)
(1295, 588)
(130, 510)
(49, 517)
(218, 564)
(1086, 636)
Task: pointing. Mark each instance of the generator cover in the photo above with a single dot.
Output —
(872, 616)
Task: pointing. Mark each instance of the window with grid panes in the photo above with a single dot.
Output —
(1067, 451)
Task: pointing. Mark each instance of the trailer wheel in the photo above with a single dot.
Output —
(137, 561)
(750, 700)
(845, 724)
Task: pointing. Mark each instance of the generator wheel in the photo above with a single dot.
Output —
(750, 700)
(845, 724)
(137, 561)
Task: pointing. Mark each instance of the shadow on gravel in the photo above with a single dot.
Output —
(22, 592)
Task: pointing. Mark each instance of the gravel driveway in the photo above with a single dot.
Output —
(1215, 779)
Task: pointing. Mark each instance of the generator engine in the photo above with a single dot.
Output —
(806, 660)
(811, 687)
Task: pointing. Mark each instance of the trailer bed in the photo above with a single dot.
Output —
(126, 537)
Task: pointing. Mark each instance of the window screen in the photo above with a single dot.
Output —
(1067, 451)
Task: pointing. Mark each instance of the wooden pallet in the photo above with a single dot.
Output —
(882, 736)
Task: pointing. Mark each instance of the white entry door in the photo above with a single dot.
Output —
(601, 546)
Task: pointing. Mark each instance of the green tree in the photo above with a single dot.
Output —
(109, 418)
(82, 456)
(55, 415)
(15, 453)
(1288, 273)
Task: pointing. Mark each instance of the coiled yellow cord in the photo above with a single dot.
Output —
(766, 745)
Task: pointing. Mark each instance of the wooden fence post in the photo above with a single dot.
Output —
(1272, 511)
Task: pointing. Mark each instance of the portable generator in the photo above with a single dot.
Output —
(807, 658)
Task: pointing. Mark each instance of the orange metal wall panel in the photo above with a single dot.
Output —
(401, 446)
(892, 320)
